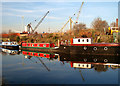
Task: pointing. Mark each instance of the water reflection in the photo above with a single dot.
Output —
(99, 63)
(75, 66)
(9, 52)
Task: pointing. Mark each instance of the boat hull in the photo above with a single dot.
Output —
(95, 50)
(90, 50)
(11, 47)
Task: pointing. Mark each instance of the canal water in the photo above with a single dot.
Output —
(28, 67)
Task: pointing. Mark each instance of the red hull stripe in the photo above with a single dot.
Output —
(97, 44)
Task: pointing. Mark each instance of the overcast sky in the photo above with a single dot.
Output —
(12, 13)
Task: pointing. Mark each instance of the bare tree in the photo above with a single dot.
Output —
(99, 24)
(113, 24)
(78, 27)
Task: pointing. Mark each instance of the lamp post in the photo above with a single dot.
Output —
(23, 22)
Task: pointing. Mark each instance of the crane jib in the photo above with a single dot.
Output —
(40, 22)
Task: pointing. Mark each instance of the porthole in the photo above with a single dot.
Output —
(78, 40)
(105, 60)
(85, 60)
(95, 48)
(95, 60)
(85, 48)
(105, 48)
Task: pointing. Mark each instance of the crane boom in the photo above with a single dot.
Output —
(40, 22)
(64, 25)
(79, 13)
(70, 20)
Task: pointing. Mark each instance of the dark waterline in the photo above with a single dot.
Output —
(18, 69)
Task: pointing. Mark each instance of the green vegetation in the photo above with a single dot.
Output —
(18, 39)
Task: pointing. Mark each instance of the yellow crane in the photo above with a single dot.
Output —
(71, 21)
(79, 13)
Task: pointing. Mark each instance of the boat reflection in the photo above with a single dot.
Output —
(99, 63)
(9, 52)
(38, 56)
(29, 54)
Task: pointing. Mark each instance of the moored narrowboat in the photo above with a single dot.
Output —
(87, 47)
(38, 45)
(10, 45)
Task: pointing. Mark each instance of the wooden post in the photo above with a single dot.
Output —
(58, 42)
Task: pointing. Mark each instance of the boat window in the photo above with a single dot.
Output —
(113, 28)
(116, 28)
(83, 40)
(44, 45)
(87, 40)
(38, 54)
(78, 40)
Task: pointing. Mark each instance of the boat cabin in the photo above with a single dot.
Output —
(9, 43)
(82, 41)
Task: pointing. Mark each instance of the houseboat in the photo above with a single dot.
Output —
(40, 47)
(10, 45)
(85, 46)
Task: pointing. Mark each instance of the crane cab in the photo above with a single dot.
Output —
(113, 29)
